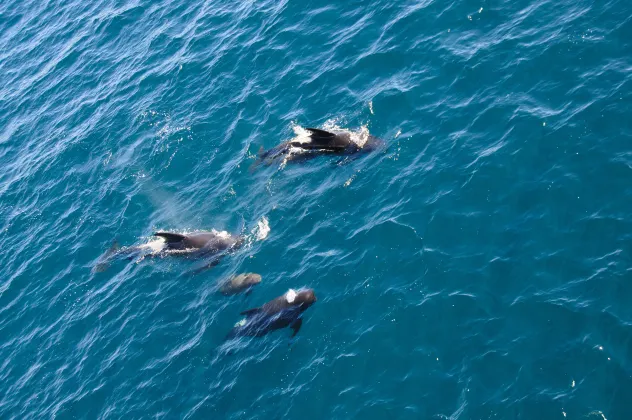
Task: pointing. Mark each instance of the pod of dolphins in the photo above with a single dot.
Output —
(211, 246)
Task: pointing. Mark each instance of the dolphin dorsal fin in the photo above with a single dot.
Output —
(317, 133)
(170, 237)
(321, 139)
(251, 312)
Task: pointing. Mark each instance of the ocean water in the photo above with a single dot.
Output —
(479, 267)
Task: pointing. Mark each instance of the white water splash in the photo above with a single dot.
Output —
(292, 151)
(262, 229)
(350, 180)
(359, 136)
(222, 234)
(301, 135)
(154, 246)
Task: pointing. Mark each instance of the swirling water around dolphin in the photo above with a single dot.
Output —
(478, 267)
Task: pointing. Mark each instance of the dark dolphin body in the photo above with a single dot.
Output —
(202, 243)
(284, 311)
(195, 245)
(321, 142)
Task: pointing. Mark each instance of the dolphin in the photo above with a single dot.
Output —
(200, 242)
(318, 142)
(239, 283)
(284, 311)
(195, 245)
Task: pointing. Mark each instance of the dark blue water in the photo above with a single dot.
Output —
(478, 268)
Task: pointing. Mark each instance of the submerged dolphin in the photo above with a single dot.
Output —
(318, 142)
(195, 245)
(284, 311)
(239, 283)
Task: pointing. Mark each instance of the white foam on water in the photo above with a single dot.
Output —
(359, 136)
(301, 135)
(155, 246)
(258, 233)
(222, 234)
(350, 180)
(262, 230)
(241, 323)
(292, 151)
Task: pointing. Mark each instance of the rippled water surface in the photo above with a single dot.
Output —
(478, 267)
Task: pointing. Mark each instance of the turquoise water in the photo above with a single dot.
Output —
(478, 268)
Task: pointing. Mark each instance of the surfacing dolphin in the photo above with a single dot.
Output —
(240, 283)
(318, 142)
(198, 245)
(284, 311)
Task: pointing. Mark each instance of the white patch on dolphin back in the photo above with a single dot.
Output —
(290, 296)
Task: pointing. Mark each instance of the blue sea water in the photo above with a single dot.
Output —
(480, 267)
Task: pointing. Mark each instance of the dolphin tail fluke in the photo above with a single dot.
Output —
(261, 152)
